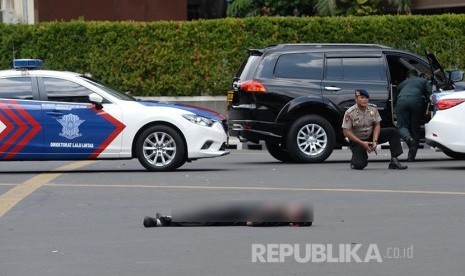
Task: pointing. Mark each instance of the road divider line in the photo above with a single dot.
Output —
(12, 197)
(8, 184)
(261, 189)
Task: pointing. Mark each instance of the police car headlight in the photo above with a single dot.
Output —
(196, 119)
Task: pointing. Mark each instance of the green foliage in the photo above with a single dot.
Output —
(326, 7)
(359, 7)
(201, 57)
(403, 6)
(247, 8)
(243, 8)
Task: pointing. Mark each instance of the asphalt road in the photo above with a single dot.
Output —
(85, 218)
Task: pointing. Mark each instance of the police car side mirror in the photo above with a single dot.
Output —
(97, 100)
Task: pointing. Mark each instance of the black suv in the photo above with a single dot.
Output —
(293, 96)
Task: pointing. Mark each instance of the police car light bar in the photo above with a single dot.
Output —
(27, 63)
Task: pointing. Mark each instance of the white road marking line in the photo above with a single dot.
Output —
(8, 184)
(260, 188)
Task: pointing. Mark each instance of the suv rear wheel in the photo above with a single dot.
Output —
(310, 139)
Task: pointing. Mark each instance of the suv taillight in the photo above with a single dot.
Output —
(448, 103)
(253, 86)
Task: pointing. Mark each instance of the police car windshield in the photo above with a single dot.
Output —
(115, 93)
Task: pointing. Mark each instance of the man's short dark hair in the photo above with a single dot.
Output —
(412, 73)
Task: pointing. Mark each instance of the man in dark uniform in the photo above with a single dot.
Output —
(361, 125)
(410, 108)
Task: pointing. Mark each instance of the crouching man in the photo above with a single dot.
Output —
(361, 125)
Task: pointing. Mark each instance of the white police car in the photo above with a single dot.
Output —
(53, 115)
(446, 129)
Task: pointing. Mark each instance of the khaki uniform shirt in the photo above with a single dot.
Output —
(361, 123)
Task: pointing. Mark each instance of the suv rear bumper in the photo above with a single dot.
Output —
(249, 123)
(250, 130)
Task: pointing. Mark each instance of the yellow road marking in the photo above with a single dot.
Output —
(9, 199)
(261, 189)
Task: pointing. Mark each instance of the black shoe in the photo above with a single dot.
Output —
(165, 220)
(411, 155)
(411, 143)
(150, 222)
(396, 165)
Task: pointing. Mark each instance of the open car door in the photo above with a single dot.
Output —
(440, 78)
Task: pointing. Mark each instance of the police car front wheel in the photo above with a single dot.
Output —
(160, 148)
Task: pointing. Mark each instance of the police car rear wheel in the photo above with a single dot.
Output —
(160, 148)
(310, 139)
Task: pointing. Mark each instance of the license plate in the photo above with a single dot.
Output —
(230, 96)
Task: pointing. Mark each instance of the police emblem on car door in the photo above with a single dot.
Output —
(70, 125)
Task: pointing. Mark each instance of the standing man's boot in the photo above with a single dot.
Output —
(412, 149)
(411, 155)
(396, 165)
(411, 143)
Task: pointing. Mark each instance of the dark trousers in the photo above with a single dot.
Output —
(360, 155)
(410, 112)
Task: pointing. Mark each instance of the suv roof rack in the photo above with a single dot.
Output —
(254, 52)
(329, 45)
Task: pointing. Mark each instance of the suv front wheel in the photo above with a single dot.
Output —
(279, 152)
(310, 139)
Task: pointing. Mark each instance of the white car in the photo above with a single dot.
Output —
(54, 115)
(446, 129)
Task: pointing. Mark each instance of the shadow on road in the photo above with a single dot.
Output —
(109, 171)
(425, 160)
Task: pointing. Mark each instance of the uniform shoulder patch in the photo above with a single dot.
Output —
(372, 109)
(352, 108)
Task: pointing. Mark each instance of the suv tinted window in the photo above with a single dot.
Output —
(334, 69)
(61, 90)
(399, 65)
(16, 88)
(247, 68)
(299, 66)
(359, 68)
